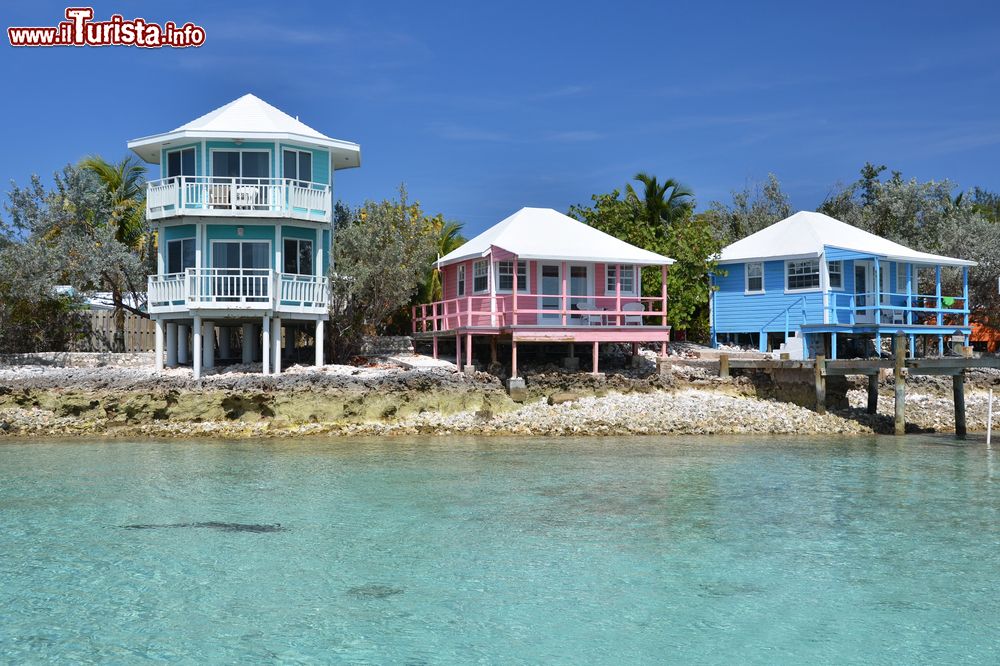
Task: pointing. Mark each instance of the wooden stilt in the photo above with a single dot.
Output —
(723, 365)
(897, 373)
(958, 386)
(513, 358)
(434, 347)
(820, 384)
(493, 349)
(873, 393)
(468, 350)
(596, 346)
(458, 351)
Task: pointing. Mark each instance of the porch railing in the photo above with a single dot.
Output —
(915, 309)
(524, 310)
(216, 195)
(237, 288)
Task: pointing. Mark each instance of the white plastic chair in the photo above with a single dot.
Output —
(589, 319)
(633, 320)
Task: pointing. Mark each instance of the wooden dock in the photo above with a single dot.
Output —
(901, 368)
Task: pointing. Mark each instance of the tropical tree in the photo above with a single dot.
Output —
(753, 208)
(447, 236)
(663, 203)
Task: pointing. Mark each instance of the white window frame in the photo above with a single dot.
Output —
(799, 290)
(829, 274)
(166, 257)
(298, 153)
(213, 151)
(166, 164)
(298, 254)
(628, 271)
(460, 280)
(901, 278)
(485, 276)
(270, 251)
(746, 278)
(522, 278)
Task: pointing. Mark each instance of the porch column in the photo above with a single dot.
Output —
(513, 293)
(562, 275)
(468, 350)
(182, 343)
(208, 345)
(965, 298)
(158, 345)
(248, 343)
(595, 354)
(491, 276)
(939, 314)
(663, 292)
(276, 345)
(909, 293)
(171, 345)
(265, 347)
(513, 358)
(320, 326)
(878, 295)
(618, 294)
(196, 352)
(224, 334)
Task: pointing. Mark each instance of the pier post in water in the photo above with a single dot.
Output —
(873, 393)
(820, 384)
(958, 386)
(900, 384)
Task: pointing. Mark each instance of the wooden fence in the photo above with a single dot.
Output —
(139, 333)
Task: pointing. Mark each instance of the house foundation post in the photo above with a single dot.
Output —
(276, 345)
(468, 351)
(820, 377)
(248, 343)
(940, 345)
(224, 340)
(596, 371)
(319, 340)
(873, 393)
(958, 388)
(182, 343)
(171, 345)
(493, 350)
(434, 347)
(913, 346)
(158, 345)
(833, 346)
(900, 388)
(208, 345)
(196, 331)
(458, 351)
(265, 345)
(513, 359)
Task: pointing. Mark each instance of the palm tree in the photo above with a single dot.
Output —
(125, 185)
(447, 237)
(664, 203)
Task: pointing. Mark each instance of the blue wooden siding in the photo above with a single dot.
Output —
(738, 312)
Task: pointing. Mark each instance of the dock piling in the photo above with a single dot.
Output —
(958, 386)
(820, 384)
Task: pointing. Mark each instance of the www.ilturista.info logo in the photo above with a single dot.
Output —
(79, 29)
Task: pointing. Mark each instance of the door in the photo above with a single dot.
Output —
(864, 288)
(550, 283)
(580, 291)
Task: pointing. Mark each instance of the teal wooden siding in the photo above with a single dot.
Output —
(320, 162)
(328, 251)
(178, 231)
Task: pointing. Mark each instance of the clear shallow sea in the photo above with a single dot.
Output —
(441, 550)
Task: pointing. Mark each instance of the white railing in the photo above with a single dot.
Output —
(238, 289)
(213, 195)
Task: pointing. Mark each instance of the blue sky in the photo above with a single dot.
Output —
(482, 108)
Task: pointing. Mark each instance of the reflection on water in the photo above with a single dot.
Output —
(438, 550)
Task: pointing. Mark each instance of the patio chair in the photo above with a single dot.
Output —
(633, 320)
(589, 319)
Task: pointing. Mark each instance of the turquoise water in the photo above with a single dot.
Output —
(440, 550)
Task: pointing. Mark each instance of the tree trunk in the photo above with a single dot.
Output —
(118, 343)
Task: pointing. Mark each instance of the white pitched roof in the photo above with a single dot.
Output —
(805, 234)
(542, 233)
(249, 118)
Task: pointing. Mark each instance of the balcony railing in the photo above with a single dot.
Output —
(238, 289)
(539, 311)
(915, 309)
(212, 195)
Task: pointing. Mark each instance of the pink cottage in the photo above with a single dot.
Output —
(572, 284)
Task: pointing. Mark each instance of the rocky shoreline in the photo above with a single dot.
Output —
(384, 399)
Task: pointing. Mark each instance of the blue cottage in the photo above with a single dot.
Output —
(242, 214)
(811, 284)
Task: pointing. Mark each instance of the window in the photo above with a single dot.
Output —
(298, 256)
(298, 166)
(900, 278)
(241, 254)
(180, 255)
(505, 275)
(802, 274)
(180, 163)
(628, 279)
(480, 277)
(836, 271)
(461, 280)
(248, 165)
(755, 278)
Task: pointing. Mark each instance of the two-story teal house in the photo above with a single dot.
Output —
(243, 219)
(817, 285)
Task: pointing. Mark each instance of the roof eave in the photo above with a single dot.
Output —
(148, 147)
